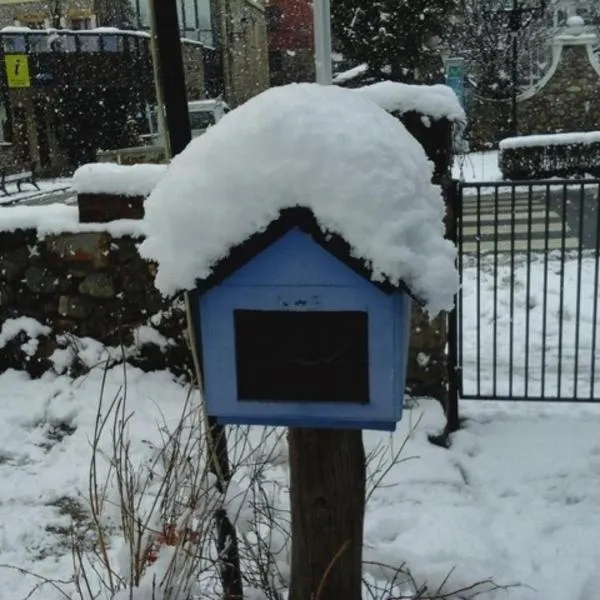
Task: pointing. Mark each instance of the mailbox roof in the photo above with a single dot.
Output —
(330, 150)
(303, 219)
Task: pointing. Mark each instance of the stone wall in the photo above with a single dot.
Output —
(85, 285)
(568, 101)
(243, 34)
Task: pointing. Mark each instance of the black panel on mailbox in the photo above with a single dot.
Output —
(294, 356)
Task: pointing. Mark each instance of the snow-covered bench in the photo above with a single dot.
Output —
(19, 177)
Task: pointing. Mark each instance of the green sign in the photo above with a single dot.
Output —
(455, 71)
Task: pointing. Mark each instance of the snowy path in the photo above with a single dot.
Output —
(516, 498)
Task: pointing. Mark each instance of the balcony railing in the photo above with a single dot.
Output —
(22, 40)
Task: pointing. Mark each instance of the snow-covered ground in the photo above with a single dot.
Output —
(547, 338)
(516, 498)
(477, 166)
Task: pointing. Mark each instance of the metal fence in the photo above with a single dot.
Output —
(527, 318)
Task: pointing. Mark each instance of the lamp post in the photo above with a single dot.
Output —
(56, 14)
(516, 12)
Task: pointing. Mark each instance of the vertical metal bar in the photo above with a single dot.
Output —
(495, 315)
(183, 16)
(545, 292)
(515, 25)
(478, 293)
(197, 20)
(561, 305)
(595, 308)
(578, 307)
(511, 341)
(528, 285)
(460, 237)
(454, 372)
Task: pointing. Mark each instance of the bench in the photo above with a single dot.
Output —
(19, 178)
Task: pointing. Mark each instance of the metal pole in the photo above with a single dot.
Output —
(322, 25)
(160, 105)
(515, 25)
(515, 76)
(171, 73)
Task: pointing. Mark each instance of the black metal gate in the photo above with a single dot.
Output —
(527, 317)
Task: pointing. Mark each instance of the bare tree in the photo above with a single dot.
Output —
(483, 33)
(114, 13)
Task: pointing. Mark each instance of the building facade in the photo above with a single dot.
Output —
(291, 41)
(85, 88)
(42, 14)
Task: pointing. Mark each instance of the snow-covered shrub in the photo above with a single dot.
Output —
(552, 155)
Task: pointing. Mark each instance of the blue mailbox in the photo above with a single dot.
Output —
(292, 330)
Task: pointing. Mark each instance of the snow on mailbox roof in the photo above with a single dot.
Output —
(436, 101)
(111, 178)
(354, 166)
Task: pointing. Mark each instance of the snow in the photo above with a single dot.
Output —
(61, 218)
(550, 139)
(111, 178)
(15, 29)
(354, 166)
(11, 328)
(350, 74)
(562, 341)
(516, 498)
(111, 30)
(437, 101)
(477, 166)
(146, 335)
(575, 21)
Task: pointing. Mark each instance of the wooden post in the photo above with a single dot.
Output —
(327, 468)
(327, 488)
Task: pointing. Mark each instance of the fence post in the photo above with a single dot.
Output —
(453, 208)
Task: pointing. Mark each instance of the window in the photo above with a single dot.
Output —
(302, 356)
(195, 19)
(80, 23)
(89, 43)
(111, 43)
(14, 43)
(63, 43)
(39, 43)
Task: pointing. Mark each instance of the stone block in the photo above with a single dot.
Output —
(86, 247)
(13, 264)
(6, 295)
(41, 281)
(98, 285)
(73, 307)
(135, 277)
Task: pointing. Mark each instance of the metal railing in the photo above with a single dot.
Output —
(527, 316)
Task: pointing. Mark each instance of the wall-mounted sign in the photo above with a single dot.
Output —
(455, 77)
(17, 70)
